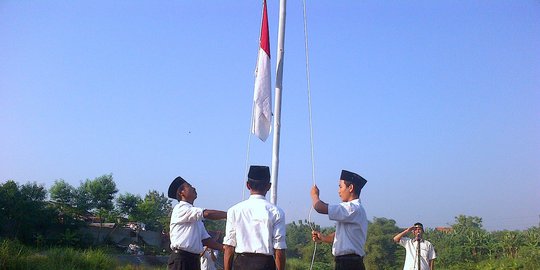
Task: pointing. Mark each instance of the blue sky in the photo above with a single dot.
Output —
(435, 103)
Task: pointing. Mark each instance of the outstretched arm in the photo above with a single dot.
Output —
(214, 214)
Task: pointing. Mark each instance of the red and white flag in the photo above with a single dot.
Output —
(262, 109)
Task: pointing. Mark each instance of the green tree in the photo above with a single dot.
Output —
(322, 252)
(24, 213)
(9, 206)
(381, 251)
(97, 197)
(63, 195)
(154, 211)
(101, 193)
(128, 204)
(510, 242)
(530, 252)
(298, 237)
(466, 224)
(82, 200)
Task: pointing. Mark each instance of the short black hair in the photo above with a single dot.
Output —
(356, 187)
(258, 185)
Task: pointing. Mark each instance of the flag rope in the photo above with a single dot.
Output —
(246, 166)
(306, 49)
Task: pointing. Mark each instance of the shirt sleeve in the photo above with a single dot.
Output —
(343, 212)
(187, 213)
(431, 253)
(230, 230)
(403, 241)
(279, 232)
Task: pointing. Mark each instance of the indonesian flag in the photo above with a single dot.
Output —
(262, 111)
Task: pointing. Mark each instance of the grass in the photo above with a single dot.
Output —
(14, 255)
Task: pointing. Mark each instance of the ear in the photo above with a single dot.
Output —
(351, 188)
(180, 191)
(268, 186)
(248, 186)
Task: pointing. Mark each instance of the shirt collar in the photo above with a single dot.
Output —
(184, 202)
(257, 196)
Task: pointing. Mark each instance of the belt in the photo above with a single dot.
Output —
(253, 255)
(349, 256)
(183, 252)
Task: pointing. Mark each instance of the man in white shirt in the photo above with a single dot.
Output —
(349, 239)
(425, 250)
(187, 232)
(255, 228)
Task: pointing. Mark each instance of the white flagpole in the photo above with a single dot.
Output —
(277, 102)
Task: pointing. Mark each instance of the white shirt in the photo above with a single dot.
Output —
(207, 263)
(187, 229)
(255, 226)
(427, 253)
(351, 228)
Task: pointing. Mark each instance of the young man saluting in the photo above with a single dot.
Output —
(420, 253)
(351, 228)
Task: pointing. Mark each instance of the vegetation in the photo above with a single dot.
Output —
(14, 255)
(50, 237)
(465, 245)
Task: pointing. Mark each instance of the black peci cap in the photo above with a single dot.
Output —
(176, 183)
(259, 173)
(353, 177)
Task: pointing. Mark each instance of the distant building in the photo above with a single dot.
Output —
(444, 229)
(122, 236)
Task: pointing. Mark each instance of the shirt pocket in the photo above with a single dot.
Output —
(424, 251)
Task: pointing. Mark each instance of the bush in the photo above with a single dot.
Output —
(14, 255)
(11, 254)
(297, 264)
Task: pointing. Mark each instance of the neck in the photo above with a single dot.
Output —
(188, 201)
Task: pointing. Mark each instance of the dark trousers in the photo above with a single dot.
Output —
(250, 261)
(349, 262)
(183, 260)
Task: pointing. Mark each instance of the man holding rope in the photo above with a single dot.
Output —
(351, 228)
